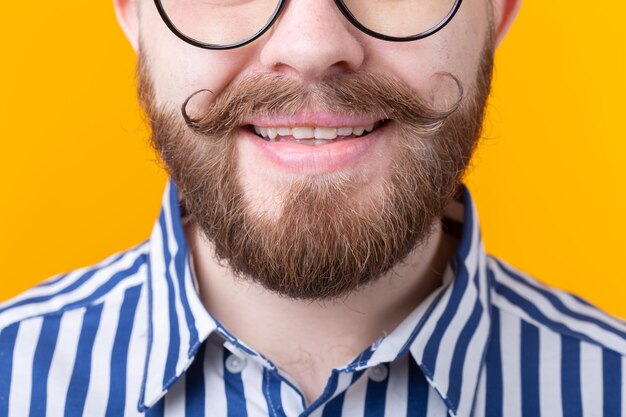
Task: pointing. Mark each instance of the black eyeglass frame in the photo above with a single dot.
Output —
(279, 8)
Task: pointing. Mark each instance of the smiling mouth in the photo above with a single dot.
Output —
(314, 135)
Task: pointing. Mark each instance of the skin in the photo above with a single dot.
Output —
(309, 339)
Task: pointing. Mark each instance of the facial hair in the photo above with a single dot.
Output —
(325, 240)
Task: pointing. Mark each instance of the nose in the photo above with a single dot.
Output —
(311, 40)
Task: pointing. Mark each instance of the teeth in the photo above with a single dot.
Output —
(325, 133)
(303, 132)
(320, 134)
(358, 131)
(318, 142)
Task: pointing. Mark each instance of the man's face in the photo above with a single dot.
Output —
(317, 219)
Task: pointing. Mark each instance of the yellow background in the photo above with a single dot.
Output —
(78, 182)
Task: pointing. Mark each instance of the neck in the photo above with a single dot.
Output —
(313, 337)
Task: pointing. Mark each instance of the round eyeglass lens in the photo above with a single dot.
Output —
(219, 22)
(400, 18)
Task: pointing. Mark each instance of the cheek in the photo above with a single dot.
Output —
(179, 69)
(455, 49)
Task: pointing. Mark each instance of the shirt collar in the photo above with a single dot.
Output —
(447, 334)
(178, 323)
(450, 330)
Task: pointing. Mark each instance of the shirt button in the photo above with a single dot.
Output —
(235, 364)
(378, 373)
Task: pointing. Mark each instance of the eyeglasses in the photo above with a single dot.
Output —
(227, 24)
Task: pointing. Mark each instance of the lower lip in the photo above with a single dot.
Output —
(311, 159)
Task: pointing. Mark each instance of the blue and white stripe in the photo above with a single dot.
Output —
(130, 337)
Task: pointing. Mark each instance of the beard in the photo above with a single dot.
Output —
(328, 236)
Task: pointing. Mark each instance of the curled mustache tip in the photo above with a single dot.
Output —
(191, 122)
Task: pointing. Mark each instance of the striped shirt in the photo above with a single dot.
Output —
(130, 337)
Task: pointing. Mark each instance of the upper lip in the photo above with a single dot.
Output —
(312, 119)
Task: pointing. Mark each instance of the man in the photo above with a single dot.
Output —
(316, 253)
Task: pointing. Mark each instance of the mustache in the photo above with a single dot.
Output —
(351, 94)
